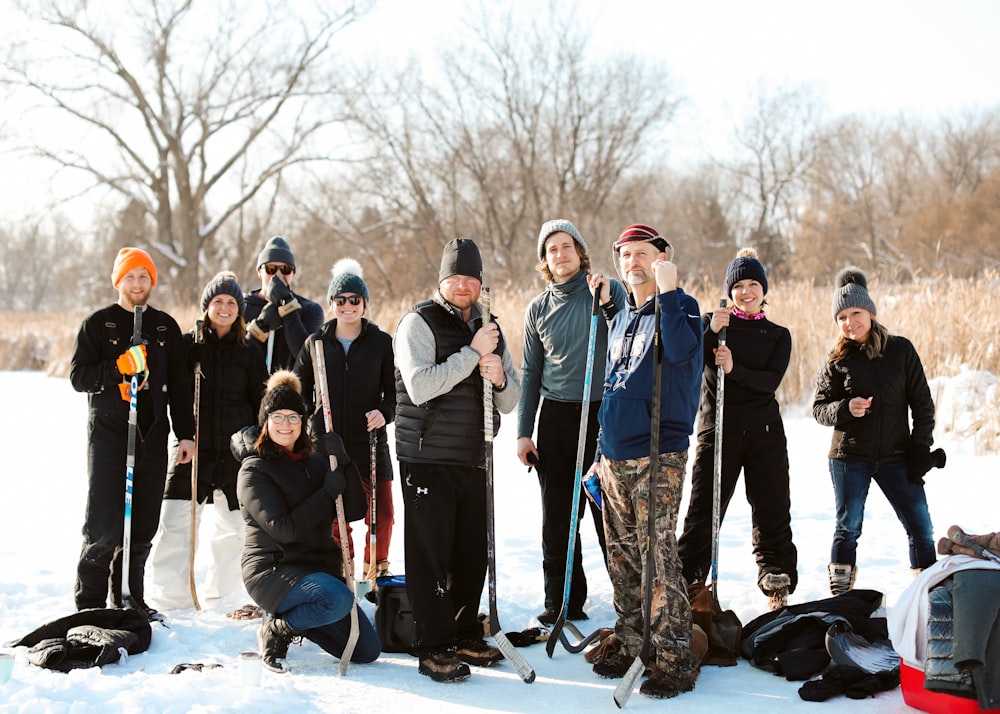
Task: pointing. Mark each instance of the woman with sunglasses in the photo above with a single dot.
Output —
(292, 566)
(361, 379)
(279, 320)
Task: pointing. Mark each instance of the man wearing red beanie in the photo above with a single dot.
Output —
(102, 365)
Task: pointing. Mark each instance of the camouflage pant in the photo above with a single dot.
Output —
(625, 486)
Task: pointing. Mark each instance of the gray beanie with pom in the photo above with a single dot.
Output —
(348, 277)
(852, 291)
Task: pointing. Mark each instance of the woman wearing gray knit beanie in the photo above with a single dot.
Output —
(871, 386)
(754, 359)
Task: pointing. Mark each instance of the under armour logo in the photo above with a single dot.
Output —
(422, 490)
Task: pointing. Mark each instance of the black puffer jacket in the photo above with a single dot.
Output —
(289, 515)
(232, 384)
(896, 381)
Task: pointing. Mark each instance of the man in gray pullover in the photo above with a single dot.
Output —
(556, 332)
(444, 350)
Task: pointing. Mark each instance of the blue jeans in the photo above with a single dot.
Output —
(851, 480)
(319, 606)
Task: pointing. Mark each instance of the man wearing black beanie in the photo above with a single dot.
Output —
(444, 350)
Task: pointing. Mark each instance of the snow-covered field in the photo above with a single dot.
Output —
(43, 487)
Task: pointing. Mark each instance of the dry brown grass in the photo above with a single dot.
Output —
(953, 324)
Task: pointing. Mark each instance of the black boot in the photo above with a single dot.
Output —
(273, 639)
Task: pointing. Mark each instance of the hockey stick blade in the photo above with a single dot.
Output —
(625, 687)
(514, 657)
(557, 633)
(962, 538)
(582, 641)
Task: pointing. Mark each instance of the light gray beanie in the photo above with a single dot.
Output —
(852, 291)
(559, 224)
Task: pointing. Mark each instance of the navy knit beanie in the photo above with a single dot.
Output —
(347, 278)
(223, 283)
(745, 267)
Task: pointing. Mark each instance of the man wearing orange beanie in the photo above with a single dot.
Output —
(103, 362)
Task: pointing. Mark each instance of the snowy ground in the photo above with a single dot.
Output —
(43, 486)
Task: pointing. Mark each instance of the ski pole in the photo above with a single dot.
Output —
(503, 643)
(133, 428)
(319, 371)
(574, 513)
(720, 388)
(624, 689)
(199, 338)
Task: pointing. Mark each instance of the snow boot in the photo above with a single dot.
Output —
(273, 639)
(443, 666)
(990, 542)
(477, 652)
(841, 577)
(775, 586)
(609, 660)
(664, 685)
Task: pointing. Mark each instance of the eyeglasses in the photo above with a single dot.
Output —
(277, 418)
(353, 299)
(285, 269)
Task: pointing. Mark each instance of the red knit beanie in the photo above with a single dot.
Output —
(130, 259)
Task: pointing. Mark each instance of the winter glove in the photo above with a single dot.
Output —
(920, 459)
(873, 684)
(196, 354)
(335, 483)
(277, 291)
(331, 444)
(132, 361)
(837, 679)
(268, 319)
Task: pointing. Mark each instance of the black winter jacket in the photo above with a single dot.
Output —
(358, 382)
(289, 516)
(897, 382)
(295, 328)
(232, 384)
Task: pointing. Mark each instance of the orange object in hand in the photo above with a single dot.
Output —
(132, 360)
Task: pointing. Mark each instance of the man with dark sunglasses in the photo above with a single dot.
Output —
(278, 319)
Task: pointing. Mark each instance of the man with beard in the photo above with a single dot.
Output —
(102, 365)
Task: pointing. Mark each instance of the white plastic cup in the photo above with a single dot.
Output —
(6, 666)
(250, 667)
(361, 589)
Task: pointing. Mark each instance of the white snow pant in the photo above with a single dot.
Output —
(171, 588)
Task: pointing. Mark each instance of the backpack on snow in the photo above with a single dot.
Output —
(394, 615)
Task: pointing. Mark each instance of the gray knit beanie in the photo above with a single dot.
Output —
(348, 277)
(852, 291)
(559, 224)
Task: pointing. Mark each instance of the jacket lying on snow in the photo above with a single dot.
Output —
(792, 641)
(88, 638)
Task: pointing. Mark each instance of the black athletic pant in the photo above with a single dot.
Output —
(105, 515)
(558, 430)
(444, 542)
(762, 453)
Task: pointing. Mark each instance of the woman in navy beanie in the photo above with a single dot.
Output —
(754, 360)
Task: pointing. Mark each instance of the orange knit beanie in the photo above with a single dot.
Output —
(130, 259)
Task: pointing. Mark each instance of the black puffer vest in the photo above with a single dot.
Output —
(448, 429)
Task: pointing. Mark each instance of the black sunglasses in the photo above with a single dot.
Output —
(353, 299)
(285, 269)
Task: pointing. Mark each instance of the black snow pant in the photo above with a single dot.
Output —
(558, 430)
(445, 550)
(761, 451)
(101, 554)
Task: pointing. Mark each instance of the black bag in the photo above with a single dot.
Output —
(393, 615)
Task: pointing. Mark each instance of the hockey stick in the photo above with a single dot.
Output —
(574, 513)
(720, 388)
(624, 689)
(133, 428)
(199, 339)
(373, 479)
(319, 371)
(503, 644)
(270, 351)
(582, 641)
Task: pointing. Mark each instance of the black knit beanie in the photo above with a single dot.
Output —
(461, 257)
(284, 391)
(745, 267)
(276, 250)
(223, 283)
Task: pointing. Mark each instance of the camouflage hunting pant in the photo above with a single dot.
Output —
(626, 491)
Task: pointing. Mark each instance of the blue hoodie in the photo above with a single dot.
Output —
(628, 384)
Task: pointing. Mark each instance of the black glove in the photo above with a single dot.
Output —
(278, 291)
(335, 483)
(331, 444)
(920, 459)
(196, 354)
(268, 319)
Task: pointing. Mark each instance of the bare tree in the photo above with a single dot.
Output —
(188, 110)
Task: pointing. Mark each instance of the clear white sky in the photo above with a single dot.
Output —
(918, 58)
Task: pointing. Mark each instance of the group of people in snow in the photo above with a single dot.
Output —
(277, 456)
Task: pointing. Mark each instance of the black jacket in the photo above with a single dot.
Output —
(896, 381)
(88, 638)
(295, 328)
(231, 386)
(289, 515)
(358, 382)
